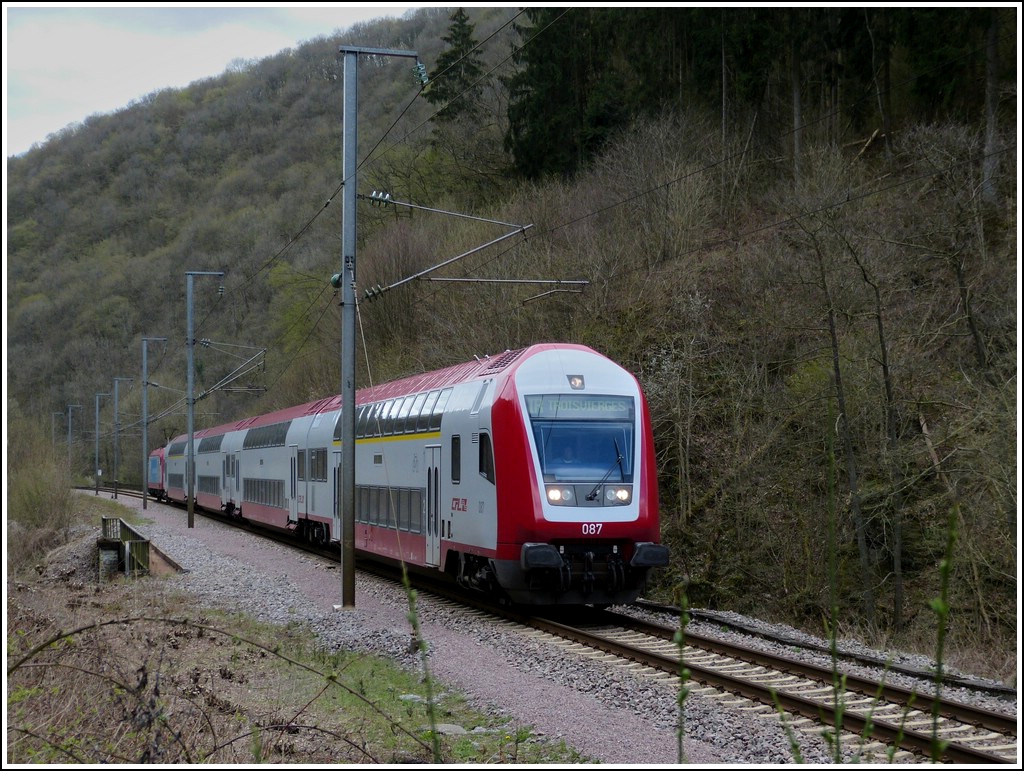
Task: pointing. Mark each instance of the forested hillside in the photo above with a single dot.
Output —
(797, 227)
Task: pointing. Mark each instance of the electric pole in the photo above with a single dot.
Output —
(346, 282)
(98, 471)
(145, 418)
(190, 458)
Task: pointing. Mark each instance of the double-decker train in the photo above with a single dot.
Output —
(529, 475)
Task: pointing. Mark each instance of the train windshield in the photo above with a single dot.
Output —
(583, 438)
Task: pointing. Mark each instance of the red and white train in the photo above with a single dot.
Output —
(529, 475)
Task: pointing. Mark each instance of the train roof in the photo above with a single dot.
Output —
(488, 366)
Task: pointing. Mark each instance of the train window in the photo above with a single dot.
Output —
(391, 415)
(486, 458)
(382, 505)
(392, 521)
(373, 419)
(369, 502)
(394, 424)
(442, 401)
(318, 464)
(401, 411)
(209, 485)
(362, 503)
(387, 417)
(479, 398)
(403, 509)
(268, 492)
(403, 414)
(371, 505)
(368, 420)
(361, 420)
(266, 436)
(428, 407)
(414, 413)
(416, 511)
(456, 459)
(301, 457)
(210, 444)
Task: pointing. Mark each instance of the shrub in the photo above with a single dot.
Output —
(40, 506)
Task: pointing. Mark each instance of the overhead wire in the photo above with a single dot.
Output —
(273, 258)
(308, 224)
(309, 332)
(367, 158)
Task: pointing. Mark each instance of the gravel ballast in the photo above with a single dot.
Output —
(607, 713)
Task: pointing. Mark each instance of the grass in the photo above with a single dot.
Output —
(133, 672)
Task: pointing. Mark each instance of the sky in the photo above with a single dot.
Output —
(65, 62)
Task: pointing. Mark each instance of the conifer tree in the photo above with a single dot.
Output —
(455, 83)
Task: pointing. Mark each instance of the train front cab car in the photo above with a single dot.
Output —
(586, 528)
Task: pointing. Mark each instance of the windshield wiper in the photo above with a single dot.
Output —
(618, 462)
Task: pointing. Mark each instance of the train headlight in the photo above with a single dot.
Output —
(617, 495)
(560, 495)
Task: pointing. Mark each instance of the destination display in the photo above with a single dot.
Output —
(579, 407)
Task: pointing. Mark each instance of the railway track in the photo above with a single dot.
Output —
(720, 620)
(937, 729)
(128, 492)
(882, 721)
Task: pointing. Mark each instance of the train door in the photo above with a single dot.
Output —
(432, 525)
(336, 505)
(226, 482)
(293, 492)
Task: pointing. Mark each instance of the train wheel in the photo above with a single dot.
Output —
(565, 577)
(316, 533)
